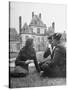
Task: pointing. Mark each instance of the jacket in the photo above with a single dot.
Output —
(25, 54)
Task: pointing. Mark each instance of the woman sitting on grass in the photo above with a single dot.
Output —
(26, 54)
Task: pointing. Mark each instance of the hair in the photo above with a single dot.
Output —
(29, 42)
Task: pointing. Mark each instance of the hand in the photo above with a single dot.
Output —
(29, 61)
(45, 64)
(41, 72)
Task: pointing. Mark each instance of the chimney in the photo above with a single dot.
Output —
(32, 14)
(53, 25)
(20, 24)
(40, 15)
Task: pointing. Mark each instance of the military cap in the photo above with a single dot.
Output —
(57, 36)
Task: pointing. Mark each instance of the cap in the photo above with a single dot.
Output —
(57, 36)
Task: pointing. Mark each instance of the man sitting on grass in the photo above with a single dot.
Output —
(56, 67)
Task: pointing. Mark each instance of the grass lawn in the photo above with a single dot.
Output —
(33, 79)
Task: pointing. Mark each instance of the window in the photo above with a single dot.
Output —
(38, 30)
(35, 22)
(38, 39)
(32, 30)
(27, 37)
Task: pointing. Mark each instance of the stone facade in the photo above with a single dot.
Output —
(14, 41)
(36, 30)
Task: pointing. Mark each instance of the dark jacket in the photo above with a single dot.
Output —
(59, 57)
(25, 54)
(57, 65)
(48, 52)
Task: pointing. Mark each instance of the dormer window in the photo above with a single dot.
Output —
(24, 29)
(35, 22)
(38, 30)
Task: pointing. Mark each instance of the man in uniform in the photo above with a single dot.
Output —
(48, 52)
(57, 65)
(50, 48)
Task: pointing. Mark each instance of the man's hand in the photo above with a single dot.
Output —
(44, 66)
(41, 72)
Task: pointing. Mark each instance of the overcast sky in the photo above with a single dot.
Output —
(49, 12)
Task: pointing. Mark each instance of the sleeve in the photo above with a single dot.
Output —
(47, 53)
(19, 58)
(19, 55)
(57, 56)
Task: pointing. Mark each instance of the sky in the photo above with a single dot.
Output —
(49, 12)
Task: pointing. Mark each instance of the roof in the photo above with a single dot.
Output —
(13, 35)
(25, 28)
(36, 21)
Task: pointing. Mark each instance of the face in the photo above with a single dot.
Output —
(54, 42)
(50, 41)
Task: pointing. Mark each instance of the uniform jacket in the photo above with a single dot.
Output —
(57, 65)
(59, 57)
(49, 51)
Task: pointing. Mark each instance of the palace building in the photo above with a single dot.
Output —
(36, 30)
